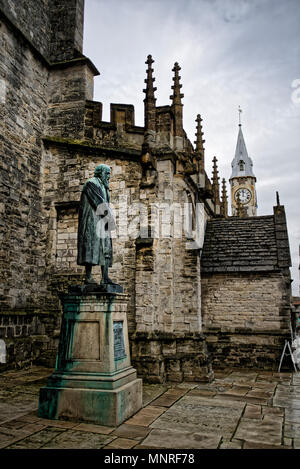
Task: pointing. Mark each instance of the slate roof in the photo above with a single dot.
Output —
(242, 245)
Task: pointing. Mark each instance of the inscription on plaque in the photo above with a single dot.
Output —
(119, 346)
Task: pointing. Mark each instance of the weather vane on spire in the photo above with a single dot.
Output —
(240, 111)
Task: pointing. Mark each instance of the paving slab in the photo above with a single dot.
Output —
(201, 415)
(72, 439)
(9, 412)
(185, 385)
(13, 432)
(169, 397)
(289, 391)
(146, 416)
(240, 409)
(287, 396)
(88, 427)
(296, 443)
(253, 412)
(292, 415)
(272, 410)
(260, 431)
(56, 423)
(5, 441)
(237, 391)
(37, 440)
(202, 392)
(217, 385)
(226, 444)
(237, 377)
(30, 388)
(222, 373)
(121, 443)
(20, 401)
(152, 391)
(255, 445)
(136, 432)
(260, 393)
(16, 423)
(31, 417)
(288, 442)
(160, 438)
(269, 387)
(296, 379)
(291, 430)
(274, 379)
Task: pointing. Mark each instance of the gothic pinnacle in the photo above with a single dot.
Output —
(215, 171)
(176, 96)
(176, 102)
(150, 89)
(215, 180)
(224, 203)
(150, 100)
(199, 134)
(224, 191)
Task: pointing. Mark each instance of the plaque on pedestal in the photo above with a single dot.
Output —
(93, 380)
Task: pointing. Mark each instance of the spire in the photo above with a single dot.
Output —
(224, 203)
(150, 100)
(215, 181)
(242, 163)
(199, 148)
(176, 100)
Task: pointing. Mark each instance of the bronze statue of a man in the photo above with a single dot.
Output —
(95, 224)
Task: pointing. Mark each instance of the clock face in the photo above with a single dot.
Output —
(245, 195)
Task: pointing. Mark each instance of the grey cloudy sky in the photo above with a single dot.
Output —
(232, 52)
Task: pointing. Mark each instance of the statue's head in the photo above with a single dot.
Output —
(103, 172)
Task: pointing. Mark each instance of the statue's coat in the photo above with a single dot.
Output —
(94, 241)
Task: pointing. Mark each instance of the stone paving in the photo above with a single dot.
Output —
(238, 410)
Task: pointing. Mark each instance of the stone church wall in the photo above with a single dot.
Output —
(161, 277)
(23, 112)
(246, 318)
(29, 323)
(53, 27)
(31, 18)
(66, 170)
(23, 83)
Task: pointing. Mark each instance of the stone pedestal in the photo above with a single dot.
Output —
(93, 380)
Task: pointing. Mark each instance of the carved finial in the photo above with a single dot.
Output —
(176, 96)
(215, 180)
(199, 134)
(150, 99)
(199, 148)
(224, 203)
(149, 80)
(176, 104)
(224, 190)
(215, 170)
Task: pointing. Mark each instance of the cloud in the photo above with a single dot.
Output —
(232, 53)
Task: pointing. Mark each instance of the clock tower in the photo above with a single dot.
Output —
(242, 180)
